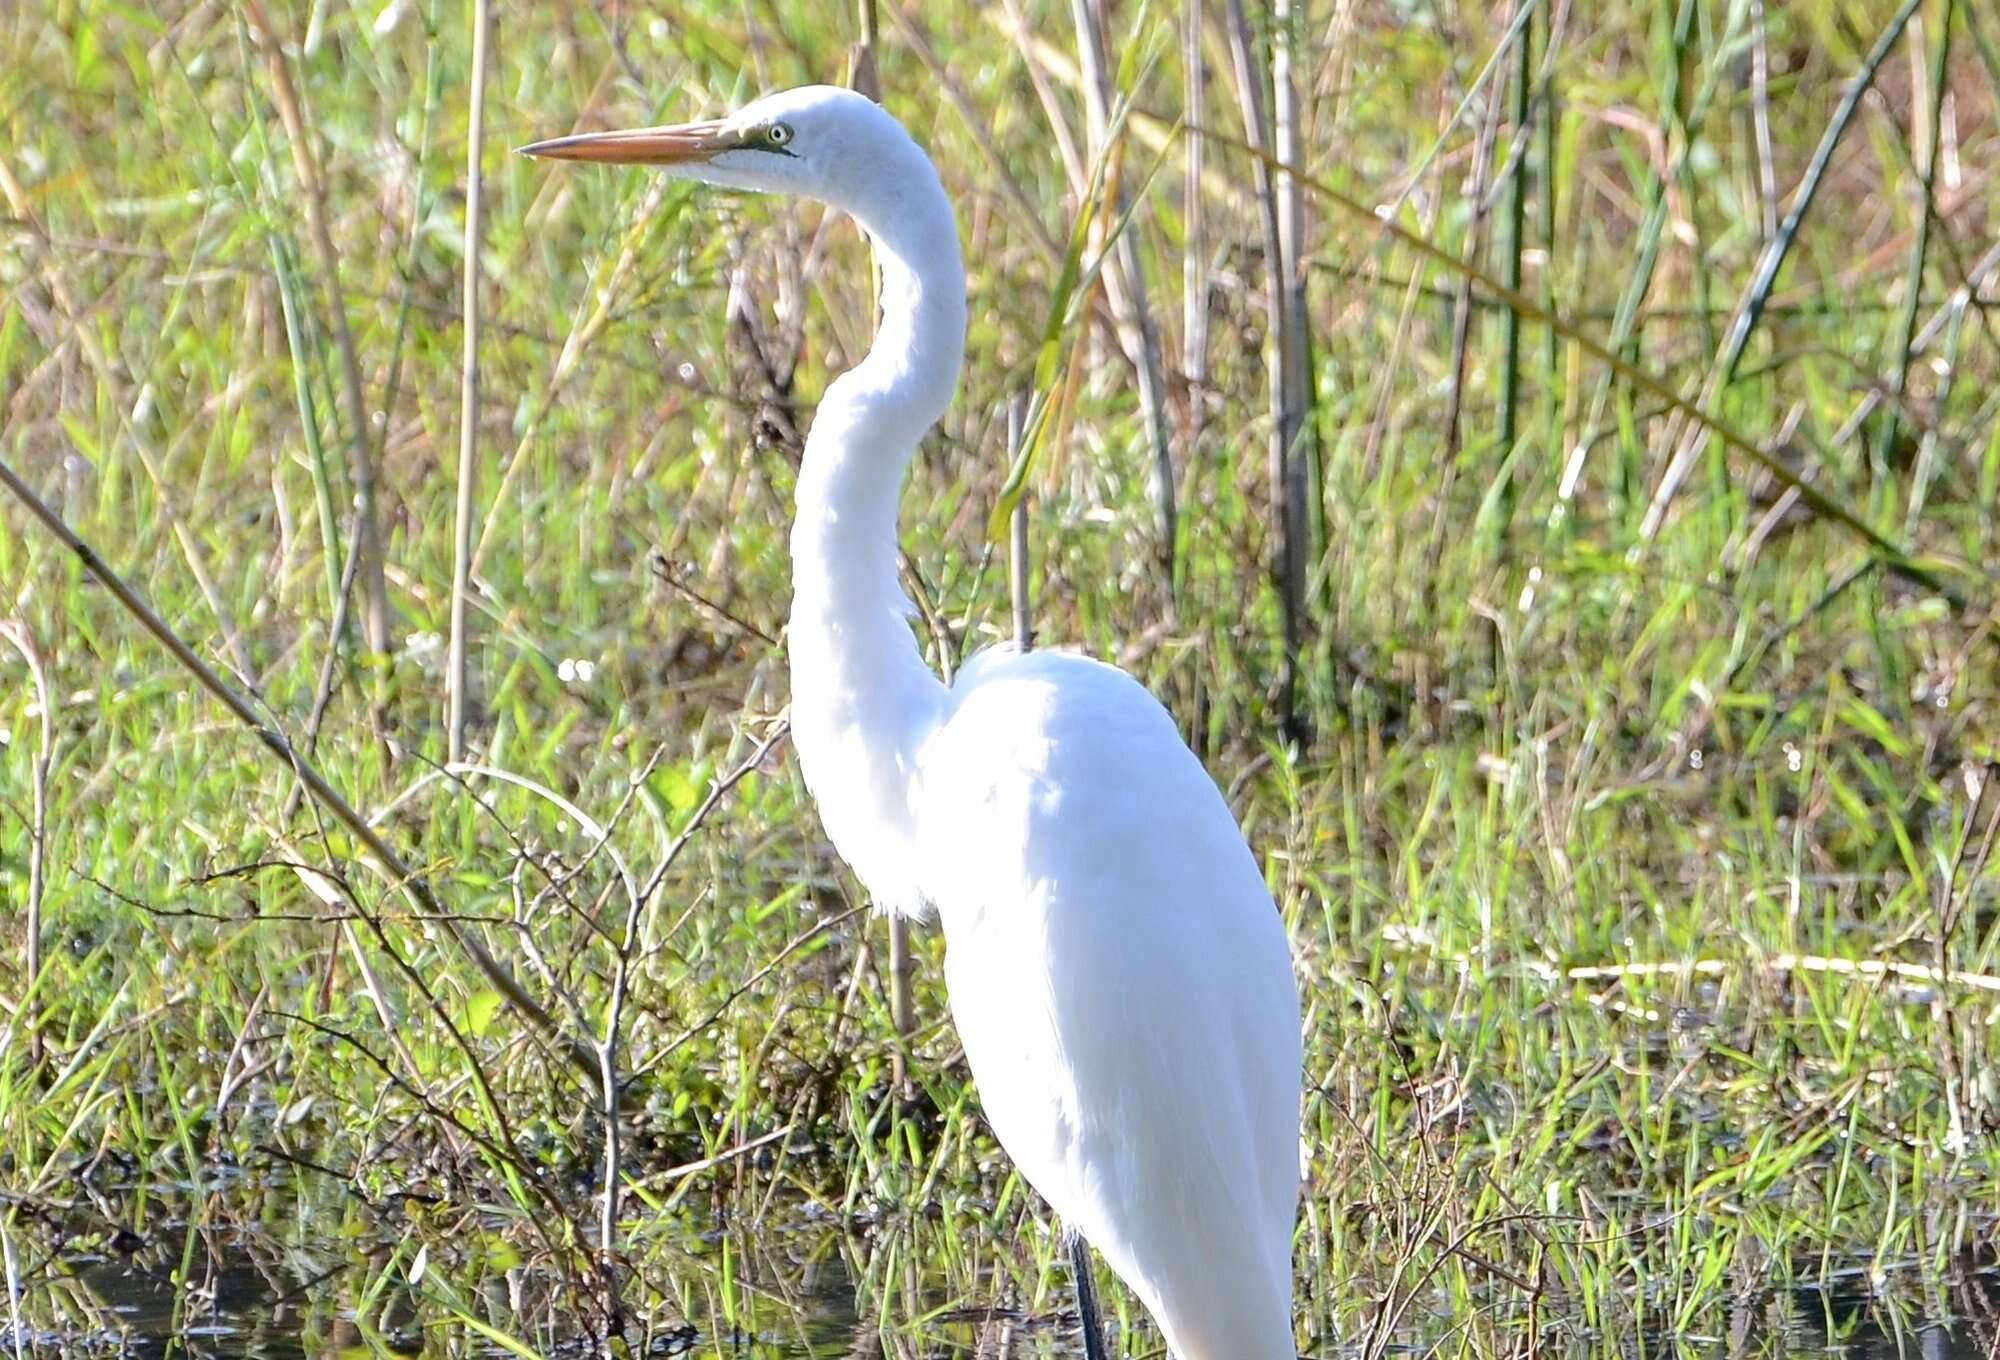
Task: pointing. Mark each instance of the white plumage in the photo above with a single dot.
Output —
(1117, 971)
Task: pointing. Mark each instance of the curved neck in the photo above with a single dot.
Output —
(863, 701)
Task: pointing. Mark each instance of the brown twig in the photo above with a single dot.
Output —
(663, 571)
(1019, 565)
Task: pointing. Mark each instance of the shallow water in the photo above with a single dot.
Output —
(251, 1298)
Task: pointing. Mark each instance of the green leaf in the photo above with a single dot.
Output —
(481, 1009)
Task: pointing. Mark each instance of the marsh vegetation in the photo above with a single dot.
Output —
(1619, 737)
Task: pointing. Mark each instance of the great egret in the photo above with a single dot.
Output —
(1119, 976)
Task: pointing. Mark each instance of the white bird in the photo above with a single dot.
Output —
(1119, 976)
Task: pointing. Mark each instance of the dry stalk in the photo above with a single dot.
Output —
(1019, 565)
(466, 509)
(1287, 556)
(1125, 287)
(1295, 342)
(1194, 263)
(864, 72)
(1864, 970)
(1760, 114)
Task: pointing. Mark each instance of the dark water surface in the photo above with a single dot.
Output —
(282, 1304)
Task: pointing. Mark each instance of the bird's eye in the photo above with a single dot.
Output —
(778, 134)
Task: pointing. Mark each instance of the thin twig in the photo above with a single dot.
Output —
(527, 1176)
(695, 1168)
(663, 571)
(750, 983)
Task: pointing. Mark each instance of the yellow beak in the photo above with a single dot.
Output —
(681, 144)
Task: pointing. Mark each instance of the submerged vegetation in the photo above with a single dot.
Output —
(1632, 811)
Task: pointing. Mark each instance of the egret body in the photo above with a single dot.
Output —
(1118, 974)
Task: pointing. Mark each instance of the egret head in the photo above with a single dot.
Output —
(818, 141)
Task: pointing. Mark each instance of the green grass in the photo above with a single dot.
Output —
(1542, 743)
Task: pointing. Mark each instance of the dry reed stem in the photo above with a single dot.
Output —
(1514, 176)
(727, 1155)
(1295, 342)
(1019, 565)
(1125, 286)
(1194, 224)
(465, 509)
(1872, 970)
(1760, 114)
(1287, 565)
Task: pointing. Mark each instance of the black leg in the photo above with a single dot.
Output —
(1086, 1297)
